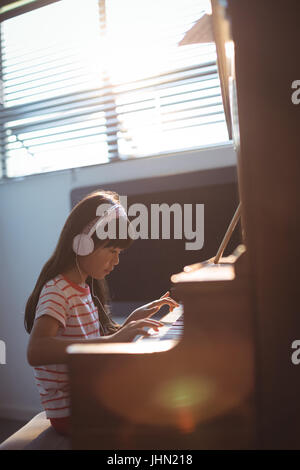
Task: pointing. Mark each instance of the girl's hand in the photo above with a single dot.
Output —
(128, 332)
(151, 308)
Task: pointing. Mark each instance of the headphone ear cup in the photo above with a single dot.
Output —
(83, 244)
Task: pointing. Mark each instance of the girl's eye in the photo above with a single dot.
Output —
(116, 251)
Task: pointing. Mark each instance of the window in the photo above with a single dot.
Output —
(87, 82)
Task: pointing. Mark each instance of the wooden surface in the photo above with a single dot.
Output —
(265, 126)
(196, 394)
(267, 37)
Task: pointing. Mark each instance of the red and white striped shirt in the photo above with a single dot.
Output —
(72, 305)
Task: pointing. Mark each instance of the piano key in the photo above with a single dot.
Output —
(172, 329)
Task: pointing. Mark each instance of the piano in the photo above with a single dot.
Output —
(222, 379)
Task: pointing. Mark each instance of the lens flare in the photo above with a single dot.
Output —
(185, 393)
(185, 396)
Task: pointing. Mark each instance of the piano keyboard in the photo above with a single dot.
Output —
(172, 329)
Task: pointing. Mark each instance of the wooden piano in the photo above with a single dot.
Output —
(228, 381)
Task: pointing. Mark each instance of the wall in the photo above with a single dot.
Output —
(32, 212)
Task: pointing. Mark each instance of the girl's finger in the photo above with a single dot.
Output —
(151, 311)
(171, 300)
(176, 304)
(142, 332)
(151, 323)
(165, 301)
(166, 294)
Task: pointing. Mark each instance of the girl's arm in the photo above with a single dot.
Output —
(45, 347)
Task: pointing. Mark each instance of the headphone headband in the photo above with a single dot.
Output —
(82, 243)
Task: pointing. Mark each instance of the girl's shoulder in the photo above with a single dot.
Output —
(65, 287)
(55, 285)
(55, 282)
(53, 301)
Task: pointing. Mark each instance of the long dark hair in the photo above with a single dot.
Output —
(64, 258)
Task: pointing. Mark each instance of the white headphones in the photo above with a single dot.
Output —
(82, 243)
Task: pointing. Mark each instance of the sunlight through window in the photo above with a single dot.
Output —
(82, 87)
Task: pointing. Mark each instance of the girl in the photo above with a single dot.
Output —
(70, 301)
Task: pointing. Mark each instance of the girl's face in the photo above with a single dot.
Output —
(101, 262)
